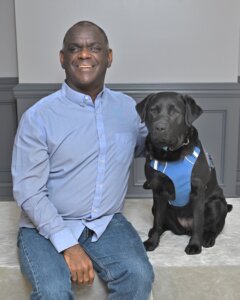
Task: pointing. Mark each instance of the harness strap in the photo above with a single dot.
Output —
(180, 174)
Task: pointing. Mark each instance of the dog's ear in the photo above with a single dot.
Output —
(142, 106)
(193, 111)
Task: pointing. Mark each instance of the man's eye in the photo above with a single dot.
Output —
(73, 48)
(95, 49)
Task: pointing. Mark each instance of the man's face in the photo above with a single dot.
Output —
(85, 58)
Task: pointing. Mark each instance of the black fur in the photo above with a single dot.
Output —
(169, 117)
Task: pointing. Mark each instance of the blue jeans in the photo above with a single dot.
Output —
(118, 257)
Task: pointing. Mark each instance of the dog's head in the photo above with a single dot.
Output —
(168, 117)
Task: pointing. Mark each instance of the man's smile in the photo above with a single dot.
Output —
(84, 67)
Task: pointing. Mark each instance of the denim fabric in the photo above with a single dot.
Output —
(118, 257)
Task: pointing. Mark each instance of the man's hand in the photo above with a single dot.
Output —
(80, 265)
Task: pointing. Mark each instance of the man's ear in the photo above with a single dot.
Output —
(193, 111)
(61, 58)
(142, 106)
(110, 58)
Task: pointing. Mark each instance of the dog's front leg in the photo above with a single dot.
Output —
(159, 212)
(197, 201)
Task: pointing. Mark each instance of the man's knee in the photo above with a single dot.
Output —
(138, 274)
(141, 273)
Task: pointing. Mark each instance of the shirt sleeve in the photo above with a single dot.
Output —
(30, 171)
(141, 138)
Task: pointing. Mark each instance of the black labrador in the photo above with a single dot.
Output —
(186, 196)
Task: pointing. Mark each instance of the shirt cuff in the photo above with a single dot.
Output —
(63, 239)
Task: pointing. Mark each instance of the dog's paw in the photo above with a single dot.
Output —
(150, 245)
(146, 186)
(208, 239)
(151, 232)
(193, 249)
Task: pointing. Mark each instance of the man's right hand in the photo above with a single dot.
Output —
(80, 265)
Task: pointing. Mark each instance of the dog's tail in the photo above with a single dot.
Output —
(229, 207)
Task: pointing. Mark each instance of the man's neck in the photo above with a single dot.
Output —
(93, 92)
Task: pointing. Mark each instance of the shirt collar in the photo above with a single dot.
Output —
(77, 97)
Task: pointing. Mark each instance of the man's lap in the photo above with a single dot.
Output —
(118, 248)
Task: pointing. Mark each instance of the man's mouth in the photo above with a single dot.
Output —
(84, 67)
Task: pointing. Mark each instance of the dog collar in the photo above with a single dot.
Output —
(166, 148)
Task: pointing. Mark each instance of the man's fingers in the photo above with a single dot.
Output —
(84, 275)
(80, 265)
(86, 278)
(91, 276)
(74, 277)
(88, 275)
(80, 279)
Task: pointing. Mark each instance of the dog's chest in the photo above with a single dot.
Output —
(179, 172)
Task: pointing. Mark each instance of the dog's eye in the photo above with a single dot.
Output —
(173, 110)
(153, 111)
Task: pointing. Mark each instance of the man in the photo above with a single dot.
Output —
(71, 161)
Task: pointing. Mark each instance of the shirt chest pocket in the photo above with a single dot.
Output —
(124, 144)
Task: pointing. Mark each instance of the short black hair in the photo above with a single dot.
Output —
(85, 23)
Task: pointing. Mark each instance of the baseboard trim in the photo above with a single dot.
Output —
(7, 83)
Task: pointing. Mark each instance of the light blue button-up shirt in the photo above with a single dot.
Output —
(71, 162)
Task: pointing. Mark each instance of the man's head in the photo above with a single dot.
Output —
(85, 57)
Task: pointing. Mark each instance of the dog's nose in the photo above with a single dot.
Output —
(161, 127)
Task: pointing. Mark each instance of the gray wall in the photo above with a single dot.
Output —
(154, 41)
(217, 126)
(199, 42)
(8, 125)
(199, 34)
(8, 50)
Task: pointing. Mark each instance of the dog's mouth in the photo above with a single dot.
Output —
(169, 144)
(163, 139)
(160, 137)
(174, 148)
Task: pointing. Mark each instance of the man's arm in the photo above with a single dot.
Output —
(30, 171)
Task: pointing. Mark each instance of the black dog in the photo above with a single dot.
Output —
(191, 202)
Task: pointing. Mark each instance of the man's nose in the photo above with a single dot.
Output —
(84, 53)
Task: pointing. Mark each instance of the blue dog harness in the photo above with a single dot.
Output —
(180, 173)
